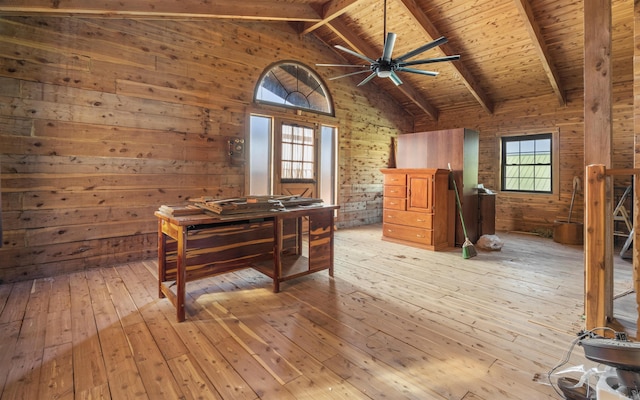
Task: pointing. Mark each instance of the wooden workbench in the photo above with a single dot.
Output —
(191, 247)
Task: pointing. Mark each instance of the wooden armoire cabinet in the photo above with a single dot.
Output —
(417, 208)
(457, 149)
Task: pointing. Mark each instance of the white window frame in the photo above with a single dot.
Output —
(555, 163)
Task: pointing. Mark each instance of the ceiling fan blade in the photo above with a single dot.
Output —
(353, 53)
(388, 46)
(395, 79)
(429, 60)
(367, 79)
(343, 65)
(349, 74)
(440, 41)
(417, 71)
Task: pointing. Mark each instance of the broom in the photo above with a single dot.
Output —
(468, 250)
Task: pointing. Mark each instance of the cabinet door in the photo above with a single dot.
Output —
(420, 196)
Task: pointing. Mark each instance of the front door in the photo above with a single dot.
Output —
(296, 160)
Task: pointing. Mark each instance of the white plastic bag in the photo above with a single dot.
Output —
(489, 242)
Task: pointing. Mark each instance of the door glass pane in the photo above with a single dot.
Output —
(327, 161)
(260, 155)
(297, 152)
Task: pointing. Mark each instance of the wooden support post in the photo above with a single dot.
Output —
(0, 206)
(636, 248)
(598, 111)
(598, 259)
(598, 128)
(636, 158)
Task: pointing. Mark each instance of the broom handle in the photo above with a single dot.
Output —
(455, 189)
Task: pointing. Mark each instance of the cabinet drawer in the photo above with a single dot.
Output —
(408, 233)
(415, 219)
(395, 179)
(393, 203)
(395, 191)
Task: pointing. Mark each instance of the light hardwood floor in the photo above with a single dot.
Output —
(395, 322)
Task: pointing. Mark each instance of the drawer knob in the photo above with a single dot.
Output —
(419, 220)
(420, 236)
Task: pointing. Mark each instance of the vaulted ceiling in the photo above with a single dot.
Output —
(510, 49)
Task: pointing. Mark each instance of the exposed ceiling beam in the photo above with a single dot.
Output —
(330, 10)
(362, 47)
(413, 95)
(541, 48)
(265, 10)
(465, 75)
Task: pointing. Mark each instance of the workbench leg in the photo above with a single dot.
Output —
(331, 233)
(162, 258)
(181, 273)
(299, 224)
(277, 249)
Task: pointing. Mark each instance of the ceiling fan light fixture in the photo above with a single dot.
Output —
(386, 66)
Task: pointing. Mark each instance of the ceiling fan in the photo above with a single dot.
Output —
(386, 66)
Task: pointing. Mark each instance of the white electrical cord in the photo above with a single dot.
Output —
(567, 356)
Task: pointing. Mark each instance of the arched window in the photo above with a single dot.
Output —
(293, 85)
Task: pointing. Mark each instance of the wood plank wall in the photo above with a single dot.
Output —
(538, 212)
(636, 162)
(104, 120)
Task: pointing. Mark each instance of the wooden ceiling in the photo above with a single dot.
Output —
(510, 49)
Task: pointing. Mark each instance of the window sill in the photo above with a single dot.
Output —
(526, 195)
